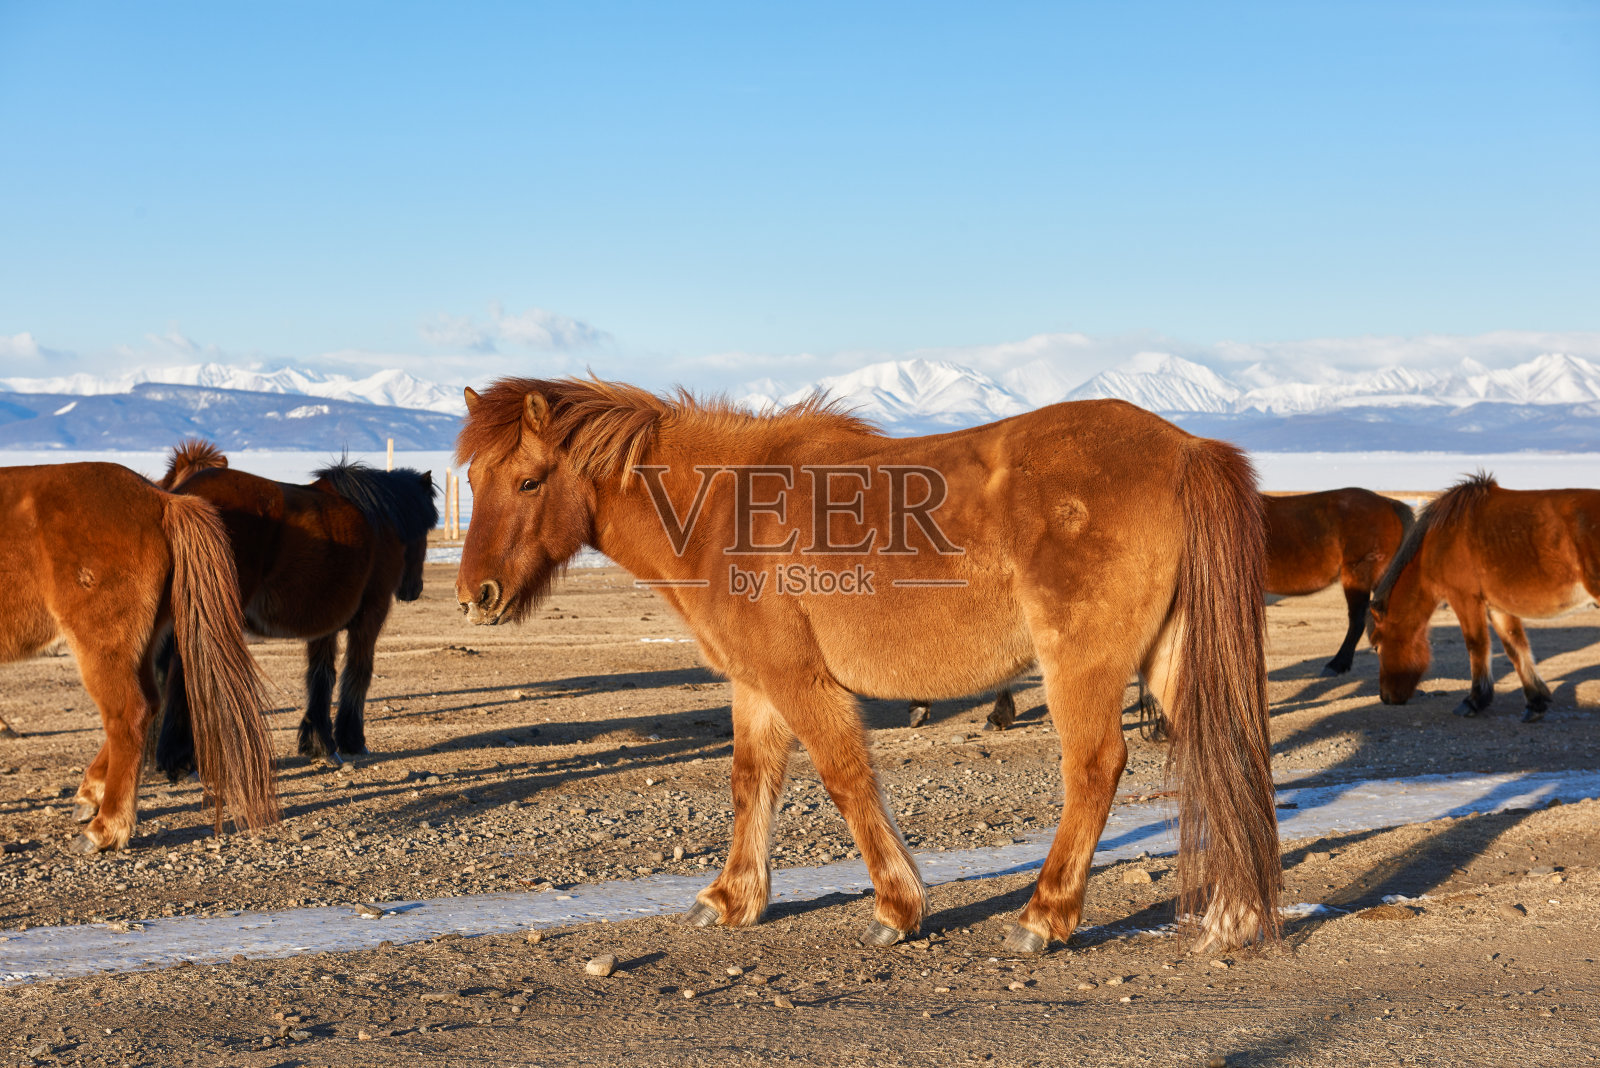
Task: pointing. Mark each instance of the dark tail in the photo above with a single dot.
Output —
(1221, 751)
(221, 681)
(1407, 516)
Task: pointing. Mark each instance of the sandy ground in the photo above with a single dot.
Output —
(590, 744)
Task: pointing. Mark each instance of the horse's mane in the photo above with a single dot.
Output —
(400, 499)
(189, 456)
(606, 427)
(1448, 508)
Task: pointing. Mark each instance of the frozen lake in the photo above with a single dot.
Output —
(1279, 471)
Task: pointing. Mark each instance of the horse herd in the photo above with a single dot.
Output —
(1092, 540)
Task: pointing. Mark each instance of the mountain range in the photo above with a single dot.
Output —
(1550, 403)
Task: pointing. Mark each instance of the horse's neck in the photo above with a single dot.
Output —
(628, 530)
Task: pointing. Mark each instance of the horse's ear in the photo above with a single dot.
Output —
(472, 399)
(536, 411)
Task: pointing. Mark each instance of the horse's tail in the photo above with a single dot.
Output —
(1221, 752)
(187, 457)
(223, 685)
(1406, 516)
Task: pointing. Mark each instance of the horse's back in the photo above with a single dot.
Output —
(303, 553)
(1068, 515)
(1533, 553)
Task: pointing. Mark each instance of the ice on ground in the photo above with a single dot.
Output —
(1132, 829)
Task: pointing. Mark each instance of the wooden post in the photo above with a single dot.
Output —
(449, 503)
(455, 507)
(391, 455)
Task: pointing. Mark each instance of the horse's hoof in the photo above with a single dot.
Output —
(920, 714)
(1023, 942)
(880, 934)
(1466, 709)
(332, 760)
(991, 725)
(7, 732)
(83, 812)
(1532, 715)
(702, 915)
(83, 844)
(1329, 670)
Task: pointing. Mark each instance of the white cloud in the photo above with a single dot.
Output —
(536, 328)
(19, 347)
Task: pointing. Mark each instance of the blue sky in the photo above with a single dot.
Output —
(700, 191)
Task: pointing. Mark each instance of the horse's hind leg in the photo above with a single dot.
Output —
(1004, 712)
(360, 645)
(316, 730)
(175, 745)
(1085, 703)
(1356, 601)
(1515, 641)
(124, 689)
(761, 747)
(823, 715)
(1473, 616)
(86, 802)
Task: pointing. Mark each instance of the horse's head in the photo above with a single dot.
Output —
(410, 587)
(531, 508)
(1403, 653)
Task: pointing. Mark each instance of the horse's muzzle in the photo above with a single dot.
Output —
(487, 607)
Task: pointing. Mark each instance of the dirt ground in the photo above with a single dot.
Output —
(590, 744)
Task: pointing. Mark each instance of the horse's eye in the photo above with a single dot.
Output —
(531, 484)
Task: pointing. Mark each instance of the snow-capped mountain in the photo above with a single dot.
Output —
(1551, 402)
(911, 396)
(1162, 383)
(394, 388)
(1169, 384)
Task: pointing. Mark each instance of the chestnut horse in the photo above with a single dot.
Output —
(1494, 555)
(96, 555)
(1346, 536)
(815, 559)
(312, 561)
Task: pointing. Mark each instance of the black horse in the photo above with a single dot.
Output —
(312, 561)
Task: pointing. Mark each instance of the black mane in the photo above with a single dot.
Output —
(398, 499)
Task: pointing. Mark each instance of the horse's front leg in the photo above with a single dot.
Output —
(316, 728)
(1515, 641)
(1356, 601)
(823, 716)
(761, 747)
(1474, 617)
(360, 645)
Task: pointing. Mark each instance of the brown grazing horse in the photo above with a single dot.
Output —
(815, 559)
(95, 554)
(1494, 555)
(1346, 536)
(312, 561)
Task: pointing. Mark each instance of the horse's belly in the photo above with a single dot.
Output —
(1543, 604)
(937, 644)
